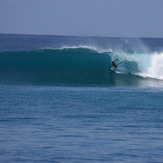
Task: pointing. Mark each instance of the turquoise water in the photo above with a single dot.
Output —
(61, 102)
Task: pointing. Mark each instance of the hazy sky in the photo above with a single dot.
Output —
(140, 18)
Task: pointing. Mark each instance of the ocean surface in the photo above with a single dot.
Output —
(61, 102)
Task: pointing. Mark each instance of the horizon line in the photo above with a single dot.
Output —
(60, 35)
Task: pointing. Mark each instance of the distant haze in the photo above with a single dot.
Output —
(117, 18)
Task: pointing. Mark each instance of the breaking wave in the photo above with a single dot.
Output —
(81, 65)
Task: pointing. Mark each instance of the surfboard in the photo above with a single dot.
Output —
(113, 68)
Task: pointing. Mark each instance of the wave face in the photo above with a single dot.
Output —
(81, 66)
(67, 66)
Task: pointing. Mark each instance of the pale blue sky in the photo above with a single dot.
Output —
(119, 18)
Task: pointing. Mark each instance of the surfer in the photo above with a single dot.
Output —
(114, 66)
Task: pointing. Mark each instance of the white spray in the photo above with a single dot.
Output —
(155, 67)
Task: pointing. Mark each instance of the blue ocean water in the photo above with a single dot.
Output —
(61, 102)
